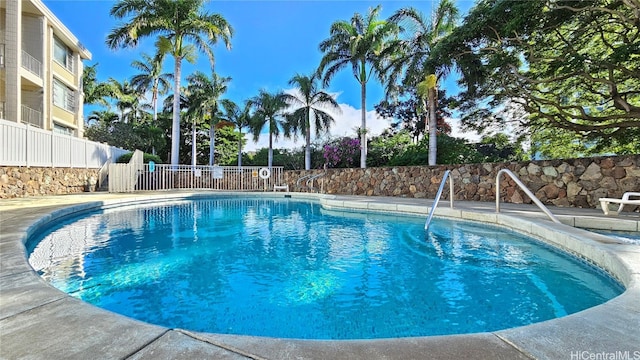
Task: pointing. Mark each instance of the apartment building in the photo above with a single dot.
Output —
(40, 68)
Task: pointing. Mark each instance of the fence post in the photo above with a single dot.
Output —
(53, 147)
(26, 144)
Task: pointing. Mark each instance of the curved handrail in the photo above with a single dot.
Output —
(302, 178)
(526, 191)
(438, 195)
(310, 180)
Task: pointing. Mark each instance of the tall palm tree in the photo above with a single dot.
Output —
(311, 103)
(182, 26)
(268, 108)
(204, 97)
(358, 44)
(413, 66)
(151, 78)
(241, 118)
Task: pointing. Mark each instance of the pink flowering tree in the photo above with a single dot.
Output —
(342, 153)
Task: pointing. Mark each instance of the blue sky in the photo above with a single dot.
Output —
(273, 41)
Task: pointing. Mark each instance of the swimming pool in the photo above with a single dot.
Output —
(295, 269)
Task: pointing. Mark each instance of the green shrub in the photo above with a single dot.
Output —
(145, 158)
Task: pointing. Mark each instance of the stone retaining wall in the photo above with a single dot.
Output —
(36, 181)
(570, 182)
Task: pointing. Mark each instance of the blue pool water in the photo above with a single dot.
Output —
(286, 268)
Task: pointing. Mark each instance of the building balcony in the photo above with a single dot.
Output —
(32, 64)
(32, 117)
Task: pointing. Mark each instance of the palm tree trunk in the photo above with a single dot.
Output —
(175, 125)
(212, 145)
(193, 144)
(154, 101)
(363, 129)
(240, 148)
(307, 148)
(212, 141)
(433, 144)
(270, 148)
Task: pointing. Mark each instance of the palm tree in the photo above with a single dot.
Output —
(359, 44)
(268, 108)
(240, 118)
(127, 99)
(95, 92)
(413, 66)
(310, 102)
(151, 79)
(204, 96)
(182, 27)
(102, 117)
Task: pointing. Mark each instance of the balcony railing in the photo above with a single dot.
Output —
(31, 116)
(31, 63)
(2, 107)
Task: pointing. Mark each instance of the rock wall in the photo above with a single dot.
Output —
(570, 182)
(36, 181)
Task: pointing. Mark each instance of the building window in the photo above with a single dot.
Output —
(63, 96)
(59, 129)
(62, 54)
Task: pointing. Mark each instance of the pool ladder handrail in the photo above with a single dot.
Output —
(438, 195)
(526, 190)
(310, 180)
(302, 178)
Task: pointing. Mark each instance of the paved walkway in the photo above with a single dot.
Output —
(40, 322)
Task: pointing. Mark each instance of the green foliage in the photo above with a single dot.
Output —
(563, 144)
(226, 146)
(571, 67)
(123, 135)
(452, 151)
(387, 146)
(146, 158)
(499, 147)
(290, 159)
(406, 112)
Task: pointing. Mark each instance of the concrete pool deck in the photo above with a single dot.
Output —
(38, 321)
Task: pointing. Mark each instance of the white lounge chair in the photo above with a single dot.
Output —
(281, 187)
(604, 202)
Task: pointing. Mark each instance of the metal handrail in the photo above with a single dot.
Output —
(302, 178)
(438, 195)
(526, 191)
(310, 180)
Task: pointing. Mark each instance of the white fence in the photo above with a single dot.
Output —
(25, 145)
(169, 177)
(123, 177)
